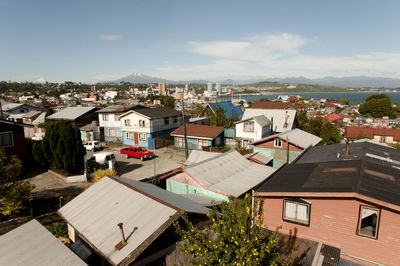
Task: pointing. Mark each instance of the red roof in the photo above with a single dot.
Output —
(200, 131)
(333, 117)
(270, 105)
(355, 132)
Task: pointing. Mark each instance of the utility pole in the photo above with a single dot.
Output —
(184, 129)
(287, 155)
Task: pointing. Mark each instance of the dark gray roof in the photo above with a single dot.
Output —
(167, 196)
(370, 170)
(120, 108)
(160, 112)
(357, 151)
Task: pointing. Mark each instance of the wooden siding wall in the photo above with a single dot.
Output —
(270, 145)
(334, 222)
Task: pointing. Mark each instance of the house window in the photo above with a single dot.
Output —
(116, 117)
(277, 142)
(248, 126)
(105, 117)
(368, 222)
(142, 123)
(127, 122)
(112, 132)
(6, 139)
(202, 143)
(383, 139)
(296, 211)
(166, 121)
(175, 119)
(142, 136)
(180, 142)
(130, 135)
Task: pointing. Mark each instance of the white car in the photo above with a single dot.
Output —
(92, 146)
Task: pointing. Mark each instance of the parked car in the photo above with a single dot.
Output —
(92, 145)
(102, 159)
(137, 152)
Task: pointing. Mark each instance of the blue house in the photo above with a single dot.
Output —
(231, 109)
(144, 127)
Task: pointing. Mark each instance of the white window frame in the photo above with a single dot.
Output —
(130, 135)
(248, 126)
(362, 207)
(12, 139)
(142, 137)
(202, 143)
(180, 142)
(142, 123)
(295, 217)
(127, 122)
(104, 117)
(278, 142)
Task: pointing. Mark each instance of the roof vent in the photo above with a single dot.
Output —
(123, 242)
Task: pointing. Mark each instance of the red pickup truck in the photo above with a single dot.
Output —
(137, 152)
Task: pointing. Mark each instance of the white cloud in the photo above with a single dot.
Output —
(256, 48)
(278, 56)
(41, 80)
(110, 37)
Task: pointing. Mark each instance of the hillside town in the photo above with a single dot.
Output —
(111, 173)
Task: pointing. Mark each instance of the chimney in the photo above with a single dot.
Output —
(346, 148)
(123, 242)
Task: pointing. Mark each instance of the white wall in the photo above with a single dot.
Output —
(259, 132)
(134, 126)
(112, 121)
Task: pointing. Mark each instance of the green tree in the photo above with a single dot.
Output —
(218, 118)
(345, 101)
(61, 147)
(168, 101)
(377, 105)
(323, 129)
(13, 192)
(232, 237)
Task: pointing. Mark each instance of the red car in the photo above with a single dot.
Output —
(137, 152)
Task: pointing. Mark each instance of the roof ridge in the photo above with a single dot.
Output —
(145, 194)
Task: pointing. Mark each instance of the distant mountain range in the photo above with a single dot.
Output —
(353, 82)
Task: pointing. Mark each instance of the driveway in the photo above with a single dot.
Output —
(135, 169)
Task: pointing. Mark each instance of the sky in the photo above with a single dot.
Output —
(87, 41)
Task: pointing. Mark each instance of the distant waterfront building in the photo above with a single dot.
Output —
(218, 88)
(209, 88)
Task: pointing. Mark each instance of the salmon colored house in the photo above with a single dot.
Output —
(343, 196)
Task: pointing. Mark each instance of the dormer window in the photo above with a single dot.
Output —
(278, 143)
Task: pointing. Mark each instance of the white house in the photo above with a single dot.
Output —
(252, 129)
(141, 127)
(281, 119)
(109, 121)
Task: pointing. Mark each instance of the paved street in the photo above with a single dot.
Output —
(132, 168)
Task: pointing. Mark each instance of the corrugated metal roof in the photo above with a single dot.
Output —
(154, 113)
(196, 156)
(142, 208)
(33, 244)
(70, 113)
(171, 198)
(40, 119)
(201, 199)
(229, 173)
(277, 117)
(9, 106)
(24, 115)
(296, 136)
(259, 158)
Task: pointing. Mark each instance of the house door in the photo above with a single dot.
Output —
(136, 138)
